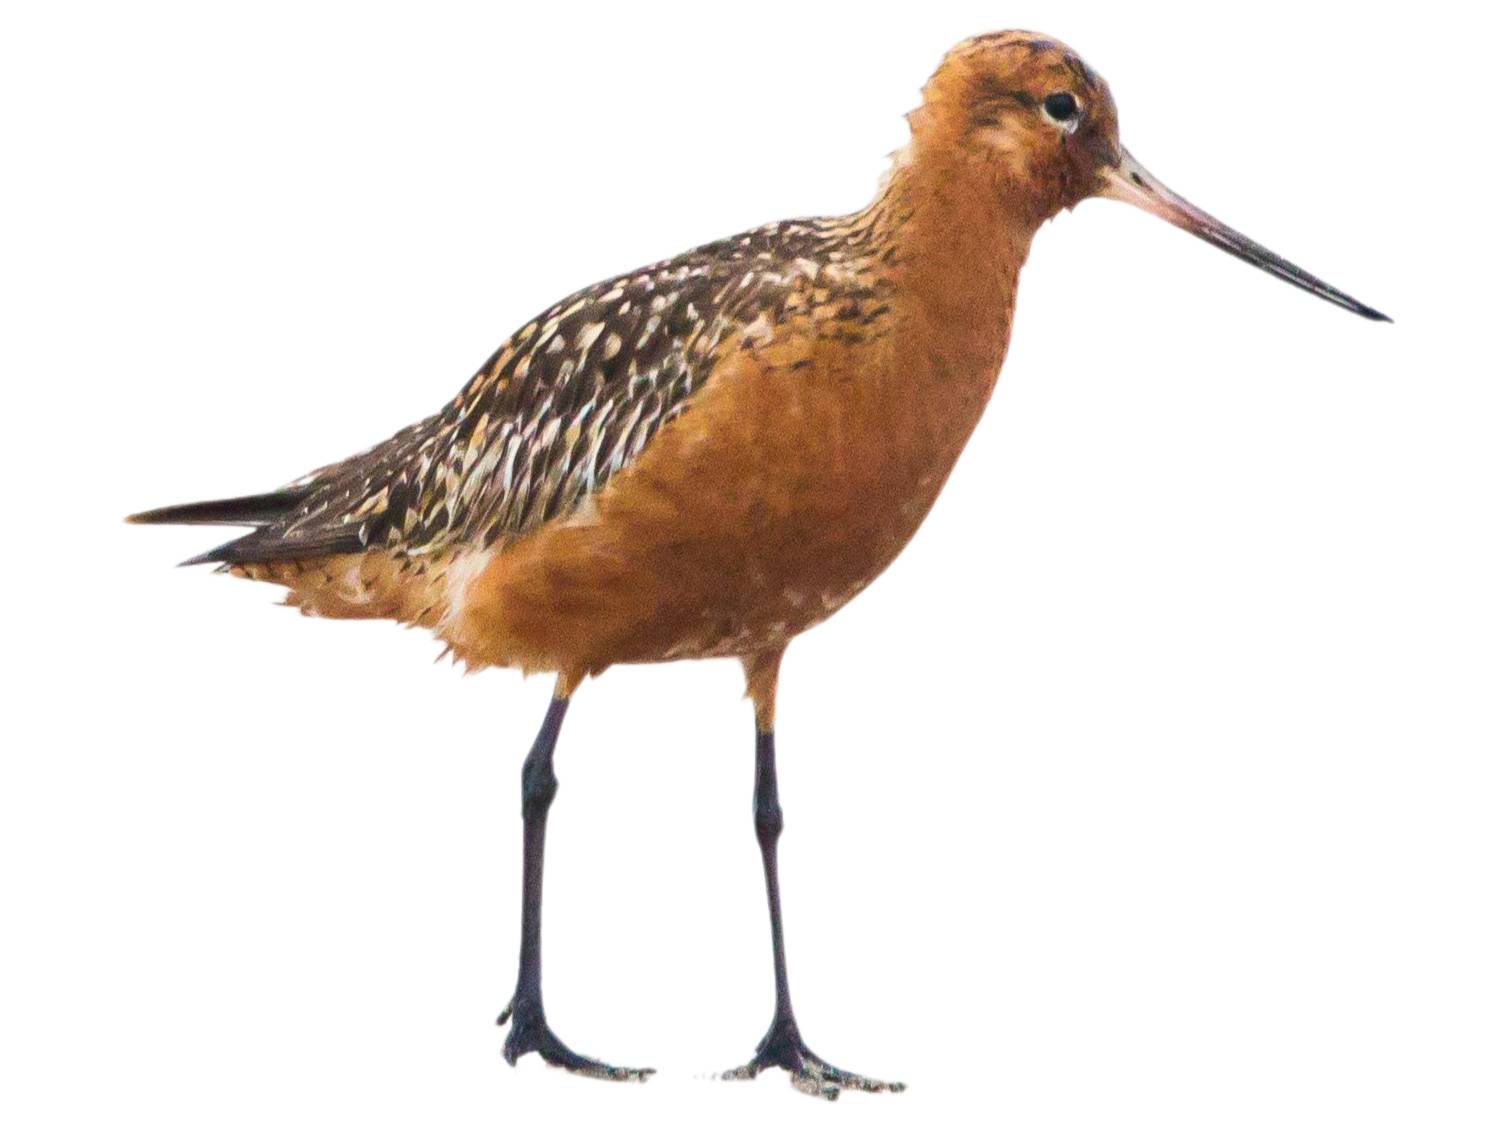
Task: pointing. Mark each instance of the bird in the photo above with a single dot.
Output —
(707, 456)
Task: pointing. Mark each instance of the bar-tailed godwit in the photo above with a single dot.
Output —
(707, 456)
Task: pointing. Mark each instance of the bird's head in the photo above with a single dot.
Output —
(1029, 112)
(1028, 115)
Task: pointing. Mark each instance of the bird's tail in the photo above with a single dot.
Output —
(266, 515)
(245, 510)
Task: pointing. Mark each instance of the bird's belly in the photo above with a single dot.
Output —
(743, 524)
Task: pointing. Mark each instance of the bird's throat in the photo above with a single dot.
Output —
(954, 242)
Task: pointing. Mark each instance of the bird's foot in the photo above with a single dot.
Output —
(783, 1048)
(529, 1033)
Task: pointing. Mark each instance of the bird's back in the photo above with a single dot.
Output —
(570, 399)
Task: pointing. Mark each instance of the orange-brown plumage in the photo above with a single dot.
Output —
(835, 395)
(708, 456)
(795, 478)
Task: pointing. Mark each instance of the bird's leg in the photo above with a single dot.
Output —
(529, 1032)
(782, 1046)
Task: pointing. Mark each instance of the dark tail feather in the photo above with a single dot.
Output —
(246, 510)
(266, 545)
(235, 550)
(267, 542)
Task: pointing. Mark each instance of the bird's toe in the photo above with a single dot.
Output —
(782, 1048)
(529, 1033)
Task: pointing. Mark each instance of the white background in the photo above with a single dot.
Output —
(1156, 780)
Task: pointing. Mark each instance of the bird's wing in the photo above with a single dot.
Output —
(570, 399)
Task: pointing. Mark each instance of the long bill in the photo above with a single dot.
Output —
(1130, 183)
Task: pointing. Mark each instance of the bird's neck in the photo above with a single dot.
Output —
(953, 240)
(950, 241)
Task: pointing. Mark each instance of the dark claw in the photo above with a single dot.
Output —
(783, 1048)
(531, 1034)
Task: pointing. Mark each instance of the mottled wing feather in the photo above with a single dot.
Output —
(570, 399)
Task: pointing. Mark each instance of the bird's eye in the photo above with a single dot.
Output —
(1060, 106)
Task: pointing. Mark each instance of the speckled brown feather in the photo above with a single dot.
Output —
(570, 399)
